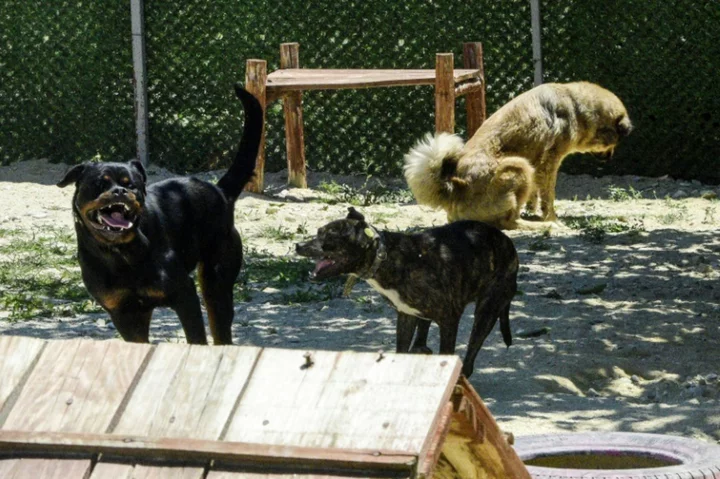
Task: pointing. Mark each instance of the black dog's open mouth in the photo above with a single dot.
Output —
(115, 217)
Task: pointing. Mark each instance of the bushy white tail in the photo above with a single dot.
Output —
(429, 166)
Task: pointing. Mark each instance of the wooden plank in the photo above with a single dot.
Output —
(198, 450)
(345, 400)
(255, 83)
(76, 386)
(475, 101)
(444, 93)
(186, 391)
(17, 356)
(43, 469)
(286, 80)
(292, 111)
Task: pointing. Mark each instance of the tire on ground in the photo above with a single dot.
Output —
(694, 459)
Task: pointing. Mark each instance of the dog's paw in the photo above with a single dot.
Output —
(420, 350)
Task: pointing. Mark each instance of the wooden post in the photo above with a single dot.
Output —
(255, 83)
(292, 110)
(137, 26)
(444, 93)
(475, 101)
(536, 41)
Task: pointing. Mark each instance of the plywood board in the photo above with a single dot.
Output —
(186, 391)
(17, 355)
(76, 386)
(343, 400)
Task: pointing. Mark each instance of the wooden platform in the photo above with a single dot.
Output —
(290, 81)
(109, 409)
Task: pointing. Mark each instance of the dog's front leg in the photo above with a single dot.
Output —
(133, 324)
(405, 332)
(420, 346)
(187, 306)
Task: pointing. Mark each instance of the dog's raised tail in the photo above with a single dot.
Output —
(430, 168)
(243, 166)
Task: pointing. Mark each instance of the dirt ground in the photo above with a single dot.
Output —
(617, 325)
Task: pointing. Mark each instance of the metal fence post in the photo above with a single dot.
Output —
(137, 17)
(536, 41)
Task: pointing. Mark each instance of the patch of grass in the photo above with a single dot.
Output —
(313, 294)
(278, 272)
(540, 242)
(676, 212)
(366, 195)
(277, 233)
(618, 193)
(595, 229)
(40, 276)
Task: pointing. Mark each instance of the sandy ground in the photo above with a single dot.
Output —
(621, 334)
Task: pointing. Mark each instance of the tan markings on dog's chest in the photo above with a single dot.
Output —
(394, 297)
(112, 299)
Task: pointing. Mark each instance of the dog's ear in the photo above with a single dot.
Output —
(139, 167)
(72, 175)
(354, 214)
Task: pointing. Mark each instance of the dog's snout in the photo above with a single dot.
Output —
(624, 127)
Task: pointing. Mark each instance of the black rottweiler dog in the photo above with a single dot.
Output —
(432, 276)
(137, 246)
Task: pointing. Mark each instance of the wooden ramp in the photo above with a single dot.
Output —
(108, 409)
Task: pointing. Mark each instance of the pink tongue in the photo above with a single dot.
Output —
(322, 264)
(116, 219)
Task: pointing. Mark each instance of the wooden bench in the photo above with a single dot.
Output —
(290, 81)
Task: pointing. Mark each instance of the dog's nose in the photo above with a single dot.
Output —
(119, 191)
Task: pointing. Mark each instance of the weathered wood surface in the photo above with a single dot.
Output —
(292, 110)
(17, 356)
(475, 97)
(444, 94)
(75, 386)
(339, 411)
(293, 79)
(475, 447)
(185, 392)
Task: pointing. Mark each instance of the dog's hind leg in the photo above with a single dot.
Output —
(448, 335)
(187, 306)
(505, 326)
(217, 278)
(404, 333)
(495, 304)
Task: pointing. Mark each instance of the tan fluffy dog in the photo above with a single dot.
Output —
(516, 154)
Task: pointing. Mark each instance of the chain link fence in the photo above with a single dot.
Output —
(65, 89)
(662, 59)
(66, 76)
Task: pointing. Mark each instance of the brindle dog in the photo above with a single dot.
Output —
(138, 245)
(428, 276)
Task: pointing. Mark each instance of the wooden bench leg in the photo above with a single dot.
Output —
(292, 110)
(475, 101)
(444, 93)
(255, 83)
